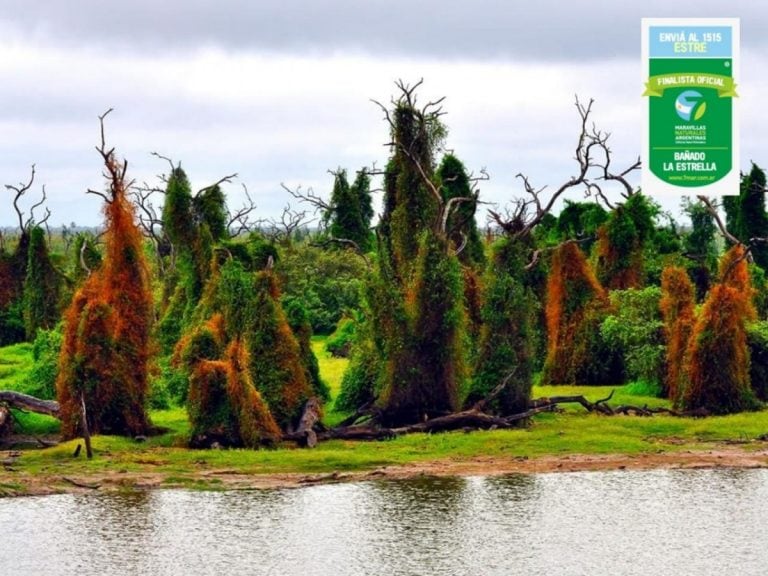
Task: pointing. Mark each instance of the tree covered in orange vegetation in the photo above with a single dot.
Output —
(223, 404)
(620, 244)
(106, 346)
(576, 302)
(677, 305)
(718, 355)
(247, 376)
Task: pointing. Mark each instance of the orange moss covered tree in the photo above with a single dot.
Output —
(718, 355)
(677, 305)
(247, 380)
(106, 344)
(574, 301)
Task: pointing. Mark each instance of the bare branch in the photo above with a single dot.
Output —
(290, 221)
(589, 144)
(309, 197)
(18, 192)
(240, 221)
(161, 157)
(712, 209)
(344, 242)
(220, 181)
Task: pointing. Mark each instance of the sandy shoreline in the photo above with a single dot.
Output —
(14, 483)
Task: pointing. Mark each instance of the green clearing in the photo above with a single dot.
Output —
(571, 432)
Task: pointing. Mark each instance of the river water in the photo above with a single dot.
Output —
(693, 522)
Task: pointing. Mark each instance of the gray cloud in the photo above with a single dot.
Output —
(539, 30)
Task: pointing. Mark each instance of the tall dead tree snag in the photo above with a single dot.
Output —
(416, 292)
(107, 327)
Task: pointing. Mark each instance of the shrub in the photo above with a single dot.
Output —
(326, 282)
(45, 353)
(339, 343)
(635, 325)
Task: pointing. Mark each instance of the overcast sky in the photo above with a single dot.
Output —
(279, 91)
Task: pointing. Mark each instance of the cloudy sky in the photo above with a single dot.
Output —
(280, 91)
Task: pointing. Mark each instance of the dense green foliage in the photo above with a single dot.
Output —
(326, 283)
(351, 211)
(41, 287)
(746, 213)
(462, 227)
(506, 350)
(635, 325)
(621, 242)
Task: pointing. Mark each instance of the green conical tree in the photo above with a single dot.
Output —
(276, 362)
(462, 227)
(621, 241)
(414, 208)
(210, 209)
(346, 215)
(753, 219)
(507, 337)
(41, 287)
(185, 224)
(361, 188)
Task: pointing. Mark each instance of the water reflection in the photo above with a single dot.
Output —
(659, 522)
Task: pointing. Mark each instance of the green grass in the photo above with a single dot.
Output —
(572, 432)
(331, 369)
(15, 366)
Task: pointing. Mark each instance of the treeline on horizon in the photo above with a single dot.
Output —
(183, 300)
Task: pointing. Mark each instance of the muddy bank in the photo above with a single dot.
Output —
(17, 483)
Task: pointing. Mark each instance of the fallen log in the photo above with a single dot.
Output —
(20, 401)
(598, 406)
(468, 419)
(5, 421)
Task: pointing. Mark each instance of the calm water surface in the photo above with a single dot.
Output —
(592, 523)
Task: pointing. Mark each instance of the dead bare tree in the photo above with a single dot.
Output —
(26, 222)
(594, 163)
(748, 245)
(284, 228)
(240, 221)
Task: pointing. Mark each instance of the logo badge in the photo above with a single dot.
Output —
(690, 104)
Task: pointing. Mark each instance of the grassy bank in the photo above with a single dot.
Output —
(166, 460)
